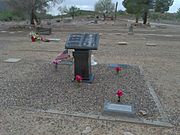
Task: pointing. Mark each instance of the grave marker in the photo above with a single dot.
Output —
(131, 31)
(151, 44)
(121, 109)
(122, 43)
(12, 60)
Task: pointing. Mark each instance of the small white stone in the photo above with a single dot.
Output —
(12, 60)
(3, 31)
(11, 32)
(87, 130)
(118, 34)
(128, 133)
(150, 44)
(144, 113)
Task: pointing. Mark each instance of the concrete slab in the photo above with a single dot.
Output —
(12, 60)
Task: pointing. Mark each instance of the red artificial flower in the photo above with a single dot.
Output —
(78, 78)
(119, 93)
(118, 69)
(55, 62)
(33, 39)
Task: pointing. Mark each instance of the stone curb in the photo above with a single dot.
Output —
(155, 97)
(98, 117)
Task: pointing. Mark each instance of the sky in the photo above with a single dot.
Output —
(89, 5)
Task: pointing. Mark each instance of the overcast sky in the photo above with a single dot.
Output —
(89, 5)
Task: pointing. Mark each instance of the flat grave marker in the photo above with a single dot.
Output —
(122, 43)
(12, 60)
(118, 65)
(151, 44)
(120, 109)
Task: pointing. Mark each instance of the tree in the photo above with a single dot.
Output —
(138, 7)
(178, 14)
(146, 5)
(133, 7)
(163, 5)
(72, 11)
(31, 7)
(104, 7)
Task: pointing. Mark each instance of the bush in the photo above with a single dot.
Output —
(162, 16)
(178, 14)
(9, 16)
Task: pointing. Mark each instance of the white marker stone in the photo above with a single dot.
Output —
(87, 130)
(12, 60)
(3, 31)
(122, 43)
(151, 44)
(54, 39)
(11, 32)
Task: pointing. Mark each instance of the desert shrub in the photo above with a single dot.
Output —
(162, 16)
(9, 16)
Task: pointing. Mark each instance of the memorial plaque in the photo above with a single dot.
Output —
(121, 109)
(83, 41)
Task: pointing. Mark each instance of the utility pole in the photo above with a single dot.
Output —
(116, 10)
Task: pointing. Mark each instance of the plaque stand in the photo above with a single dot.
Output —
(83, 43)
(82, 65)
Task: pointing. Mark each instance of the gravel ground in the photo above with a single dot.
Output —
(36, 84)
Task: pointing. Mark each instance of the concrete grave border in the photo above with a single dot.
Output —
(99, 116)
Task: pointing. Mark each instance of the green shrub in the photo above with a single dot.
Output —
(9, 16)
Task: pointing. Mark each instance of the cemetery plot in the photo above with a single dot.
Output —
(44, 88)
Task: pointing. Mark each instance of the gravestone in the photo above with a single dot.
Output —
(131, 31)
(118, 109)
(43, 31)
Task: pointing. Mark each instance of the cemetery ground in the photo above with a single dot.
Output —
(37, 99)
